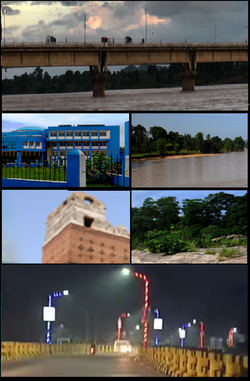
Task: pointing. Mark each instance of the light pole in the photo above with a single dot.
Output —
(119, 332)
(145, 305)
(146, 13)
(52, 309)
(202, 333)
(4, 12)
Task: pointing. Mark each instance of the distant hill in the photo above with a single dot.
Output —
(140, 68)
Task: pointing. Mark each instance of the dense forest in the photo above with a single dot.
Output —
(128, 78)
(162, 226)
(158, 141)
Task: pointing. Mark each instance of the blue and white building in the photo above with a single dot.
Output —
(35, 143)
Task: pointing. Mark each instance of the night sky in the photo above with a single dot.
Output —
(216, 294)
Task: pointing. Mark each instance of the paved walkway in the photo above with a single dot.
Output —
(188, 257)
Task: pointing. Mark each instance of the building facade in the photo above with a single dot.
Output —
(34, 143)
(78, 232)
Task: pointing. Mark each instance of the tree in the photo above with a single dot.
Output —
(161, 146)
(187, 141)
(228, 144)
(199, 141)
(158, 133)
(177, 148)
(238, 144)
(139, 136)
(167, 212)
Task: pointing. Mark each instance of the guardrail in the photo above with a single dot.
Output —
(123, 44)
(179, 362)
(16, 350)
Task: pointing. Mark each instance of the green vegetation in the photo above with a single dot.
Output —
(162, 226)
(158, 142)
(229, 253)
(136, 78)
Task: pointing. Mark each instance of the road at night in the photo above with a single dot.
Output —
(106, 365)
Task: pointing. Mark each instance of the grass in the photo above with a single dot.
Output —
(210, 251)
(40, 173)
(229, 253)
(46, 174)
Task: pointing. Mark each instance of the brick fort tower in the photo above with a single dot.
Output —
(78, 232)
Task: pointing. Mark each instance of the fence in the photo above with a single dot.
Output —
(180, 362)
(74, 170)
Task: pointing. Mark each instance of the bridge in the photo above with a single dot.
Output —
(36, 359)
(98, 56)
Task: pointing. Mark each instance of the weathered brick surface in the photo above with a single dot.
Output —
(80, 244)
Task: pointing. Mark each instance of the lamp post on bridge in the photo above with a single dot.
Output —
(49, 312)
(144, 319)
(119, 332)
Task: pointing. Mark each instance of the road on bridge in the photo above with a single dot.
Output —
(99, 365)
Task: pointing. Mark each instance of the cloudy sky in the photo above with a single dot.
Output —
(10, 122)
(167, 21)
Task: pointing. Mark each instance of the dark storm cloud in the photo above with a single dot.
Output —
(10, 11)
(58, 22)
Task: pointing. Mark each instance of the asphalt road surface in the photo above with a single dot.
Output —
(98, 365)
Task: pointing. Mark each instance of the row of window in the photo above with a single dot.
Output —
(32, 145)
(38, 145)
(77, 134)
(79, 145)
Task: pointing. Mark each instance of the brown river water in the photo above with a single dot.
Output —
(223, 170)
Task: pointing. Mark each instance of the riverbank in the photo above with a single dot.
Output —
(176, 156)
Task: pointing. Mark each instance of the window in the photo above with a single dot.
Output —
(95, 145)
(103, 144)
(69, 134)
(54, 145)
(62, 145)
(86, 145)
(69, 145)
(38, 145)
(25, 144)
(85, 133)
(103, 133)
(52, 134)
(88, 222)
(61, 134)
(78, 145)
(94, 133)
(77, 134)
(32, 145)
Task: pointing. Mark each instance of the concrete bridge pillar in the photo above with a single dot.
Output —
(98, 78)
(188, 77)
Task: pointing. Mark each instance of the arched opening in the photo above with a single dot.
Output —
(88, 222)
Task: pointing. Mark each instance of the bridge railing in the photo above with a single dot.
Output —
(180, 362)
(121, 45)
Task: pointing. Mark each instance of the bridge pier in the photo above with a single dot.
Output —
(188, 78)
(98, 78)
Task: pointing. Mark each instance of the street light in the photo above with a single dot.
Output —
(4, 12)
(146, 303)
(49, 312)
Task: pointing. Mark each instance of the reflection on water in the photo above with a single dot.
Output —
(225, 170)
(218, 97)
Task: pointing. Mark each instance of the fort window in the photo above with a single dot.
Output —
(88, 201)
(88, 222)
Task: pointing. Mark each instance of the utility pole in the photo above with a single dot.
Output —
(146, 13)
(4, 12)
(84, 27)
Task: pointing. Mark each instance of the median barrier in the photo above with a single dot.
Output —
(181, 362)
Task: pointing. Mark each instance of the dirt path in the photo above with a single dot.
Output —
(188, 257)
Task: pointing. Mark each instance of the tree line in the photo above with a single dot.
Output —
(164, 226)
(158, 140)
(153, 77)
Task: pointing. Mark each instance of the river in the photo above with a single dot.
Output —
(223, 170)
(217, 97)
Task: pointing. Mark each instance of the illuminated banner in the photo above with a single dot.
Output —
(158, 323)
(49, 314)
